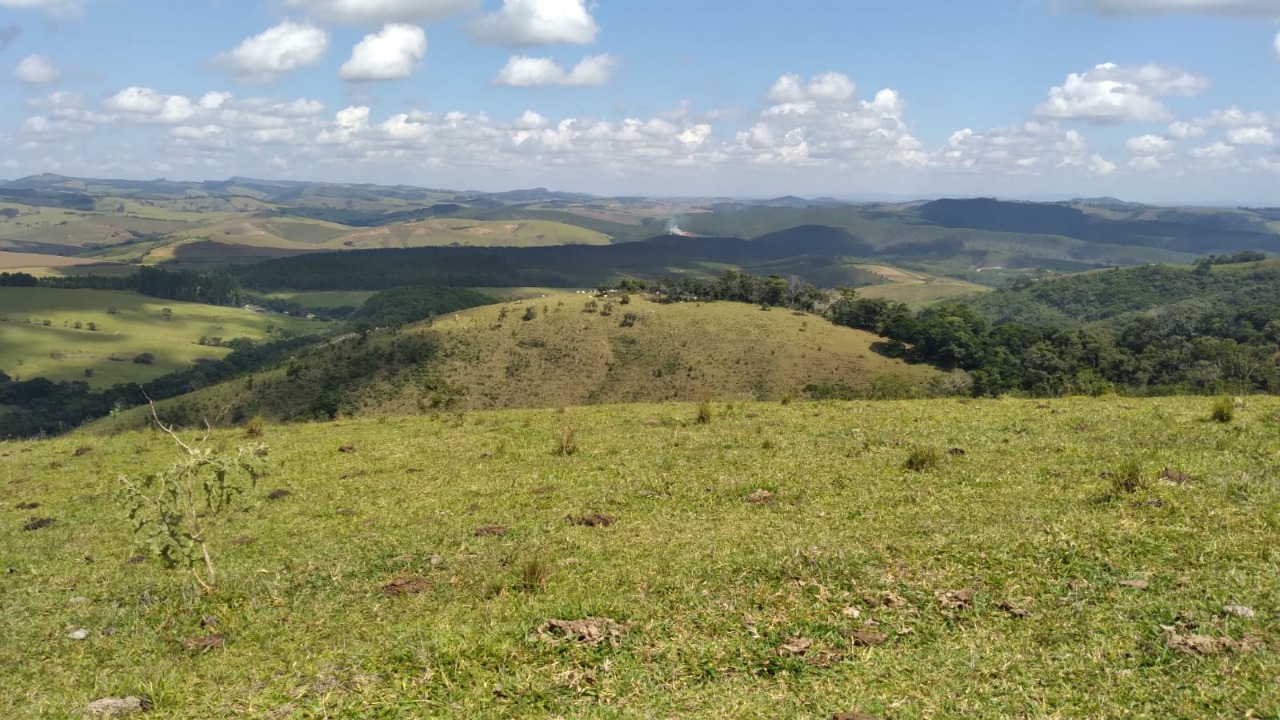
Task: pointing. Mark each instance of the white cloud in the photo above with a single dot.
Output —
(1099, 165)
(57, 8)
(1111, 93)
(1185, 130)
(1216, 151)
(214, 100)
(381, 12)
(1277, 43)
(1260, 8)
(526, 23)
(1251, 136)
(1032, 148)
(145, 105)
(391, 54)
(36, 70)
(1149, 145)
(523, 71)
(277, 50)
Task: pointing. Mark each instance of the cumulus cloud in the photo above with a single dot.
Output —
(1029, 149)
(1111, 93)
(1185, 130)
(1149, 145)
(381, 12)
(36, 70)
(1216, 152)
(144, 105)
(1257, 8)
(277, 50)
(393, 53)
(1251, 136)
(57, 8)
(526, 23)
(524, 71)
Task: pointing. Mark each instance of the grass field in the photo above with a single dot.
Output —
(914, 288)
(335, 299)
(59, 351)
(775, 561)
(28, 262)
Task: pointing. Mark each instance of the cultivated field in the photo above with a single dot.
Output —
(632, 561)
(61, 351)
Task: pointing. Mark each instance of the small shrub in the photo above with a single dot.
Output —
(923, 458)
(531, 313)
(625, 299)
(113, 311)
(1128, 478)
(629, 320)
(704, 413)
(568, 444)
(144, 359)
(787, 398)
(1223, 410)
(256, 427)
(532, 574)
(88, 372)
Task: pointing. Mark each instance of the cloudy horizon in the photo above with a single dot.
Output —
(1147, 100)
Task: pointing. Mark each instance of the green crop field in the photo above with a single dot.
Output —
(1103, 558)
(60, 351)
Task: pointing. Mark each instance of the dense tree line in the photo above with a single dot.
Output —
(732, 286)
(1193, 348)
(401, 306)
(214, 287)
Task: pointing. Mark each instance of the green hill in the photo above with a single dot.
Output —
(772, 562)
(492, 357)
(125, 325)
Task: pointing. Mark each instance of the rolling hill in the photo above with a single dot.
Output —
(492, 357)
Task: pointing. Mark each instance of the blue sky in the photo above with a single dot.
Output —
(1156, 100)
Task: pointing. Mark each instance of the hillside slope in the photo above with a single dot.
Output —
(403, 568)
(491, 357)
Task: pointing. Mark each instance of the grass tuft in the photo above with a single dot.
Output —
(1223, 409)
(533, 574)
(568, 443)
(923, 458)
(1128, 478)
(704, 413)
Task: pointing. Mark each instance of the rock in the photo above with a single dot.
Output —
(1240, 611)
(118, 707)
(80, 634)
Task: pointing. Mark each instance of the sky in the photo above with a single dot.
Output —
(1174, 101)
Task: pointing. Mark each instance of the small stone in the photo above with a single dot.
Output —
(80, 634)
(78, 600)
(118, 707)
(1240, 611)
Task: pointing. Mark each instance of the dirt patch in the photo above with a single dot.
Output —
(490, 531)
(1013, 609)
(406, 586)
(1206, 645)
(27, 506)
(110, 707)
(591, 631)
(761, 497)
(82, 451)
(204, 643)
(136, 560)
(795, 647)
(1136, 584)
(956, 452)
(1175, 477)
(1240, 611)
(955, 599)
(890, 600)
(863, 637)
(38, 523)
(544, 490)
(243, 540)
(853, 716)
(597, 520)
(346, 512)
(279, 494)
(348, 449)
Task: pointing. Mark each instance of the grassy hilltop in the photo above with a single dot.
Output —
(550, 352)
(775, 561)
